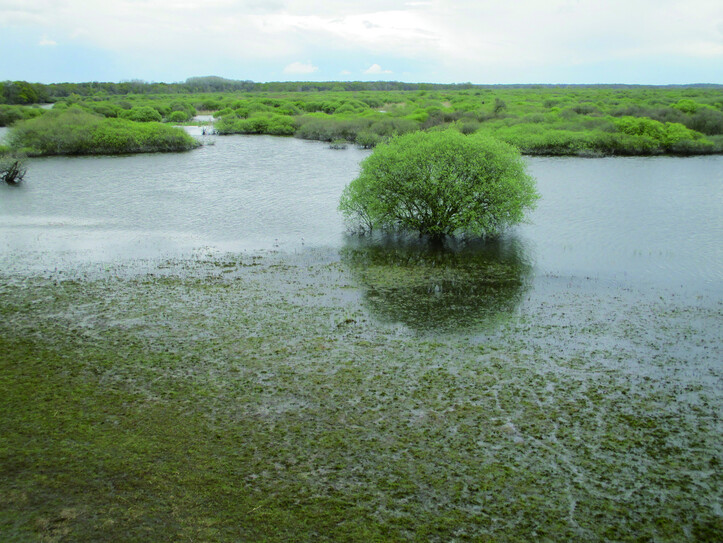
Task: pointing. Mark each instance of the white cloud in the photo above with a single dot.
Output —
(46, 42)
(376, 69)
(300, 68)
(345, 72)
(465, 40)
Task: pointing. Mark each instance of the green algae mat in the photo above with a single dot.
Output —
(270, 398)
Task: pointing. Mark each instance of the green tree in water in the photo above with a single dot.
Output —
(440, 184)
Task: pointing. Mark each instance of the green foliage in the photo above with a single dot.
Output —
(557, 120)
(440, 184)
(258, 123)
(178, 117)
(11, 114)
(106, 109)
(672, 137)
(366, 139)
(77, 132)
(142, 114)
(686, 105)
(20, 92)
(499, 107)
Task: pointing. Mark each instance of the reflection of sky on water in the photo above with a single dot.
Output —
(639, 221)
(647, 220)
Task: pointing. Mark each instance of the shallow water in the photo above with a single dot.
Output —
(571, 367)
(239, 193)
(636, 221)
(651, 220)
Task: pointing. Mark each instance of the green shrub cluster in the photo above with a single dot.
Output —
(78, 132)
(258, 123)
(365, 131)
(557, 120)
(12, 114)
(142, 114)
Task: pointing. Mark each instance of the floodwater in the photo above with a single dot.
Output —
(578, 356)
(643, 221)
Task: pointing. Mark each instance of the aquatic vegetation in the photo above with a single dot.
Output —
(76, 132)
(254, 397)
(439, 184)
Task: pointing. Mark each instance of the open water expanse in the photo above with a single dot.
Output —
(641, 220)
(562, 383)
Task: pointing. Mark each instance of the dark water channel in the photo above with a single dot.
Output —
(647, 223)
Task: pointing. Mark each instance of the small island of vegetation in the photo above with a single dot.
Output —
(78, 132)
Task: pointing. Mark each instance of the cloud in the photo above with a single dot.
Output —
(46, 42)
(376, 69)
(483, 41)
(300, 68)
(345, 72)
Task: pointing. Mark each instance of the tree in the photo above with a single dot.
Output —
(439, 184)
(19, 92)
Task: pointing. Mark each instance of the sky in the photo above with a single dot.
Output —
(653, 42)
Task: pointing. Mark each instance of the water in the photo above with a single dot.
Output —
(241, 193)
(657, 220)
(633, 220)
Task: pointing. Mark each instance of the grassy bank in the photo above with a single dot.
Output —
(77, 132)
(260, 398)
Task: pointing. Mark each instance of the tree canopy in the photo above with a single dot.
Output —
(440, 184)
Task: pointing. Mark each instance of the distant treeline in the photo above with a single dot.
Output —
(23, 92)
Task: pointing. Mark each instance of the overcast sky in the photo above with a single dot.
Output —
(481, 41)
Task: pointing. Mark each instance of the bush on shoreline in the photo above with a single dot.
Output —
(77, 132)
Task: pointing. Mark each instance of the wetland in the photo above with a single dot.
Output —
(194, 349)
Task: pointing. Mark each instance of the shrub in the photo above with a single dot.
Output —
(178, 117)
(105, 109)
(367, 140)
(78, 132)
(11, 114)
(686, 105)
(142, 114)
(258, 123)
(439, 184)
(670, 137)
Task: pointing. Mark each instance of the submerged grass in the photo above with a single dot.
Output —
(257, 399)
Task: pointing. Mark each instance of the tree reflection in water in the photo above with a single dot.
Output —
(456, 286)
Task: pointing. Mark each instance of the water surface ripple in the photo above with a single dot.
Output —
(642, 220)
